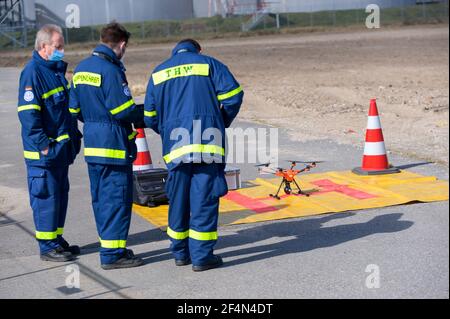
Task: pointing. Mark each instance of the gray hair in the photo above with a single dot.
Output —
(45, 34)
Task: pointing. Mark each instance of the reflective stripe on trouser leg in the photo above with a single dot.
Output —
(177, 187)
(45, 199)
(205, 192)
(112, 196)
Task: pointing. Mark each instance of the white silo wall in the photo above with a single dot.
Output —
(30, 12)
(104, 11)
(202, 8)
(323, 5)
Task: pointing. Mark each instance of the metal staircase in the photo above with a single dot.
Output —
(13, 23)
(256, 18)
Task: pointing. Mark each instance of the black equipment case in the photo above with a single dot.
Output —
(149, 187)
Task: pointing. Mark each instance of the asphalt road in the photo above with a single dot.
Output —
(318, 257)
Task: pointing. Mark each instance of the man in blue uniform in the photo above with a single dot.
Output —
(51, 141)
(100, 97)
(191, 99)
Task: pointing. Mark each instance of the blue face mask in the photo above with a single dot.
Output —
(56, 56)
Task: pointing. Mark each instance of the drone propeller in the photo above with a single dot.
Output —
(268, 166)
(266, 169)
(263, 165)
(305, 162)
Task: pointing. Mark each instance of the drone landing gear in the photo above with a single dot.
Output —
(279, 188)
(300, 192)
(288, 189)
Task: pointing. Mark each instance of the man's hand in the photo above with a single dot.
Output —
(45, 151)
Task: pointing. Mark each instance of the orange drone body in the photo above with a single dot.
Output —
(288, 174)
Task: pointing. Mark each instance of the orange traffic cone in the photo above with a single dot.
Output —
(375, 161)
(143, 160)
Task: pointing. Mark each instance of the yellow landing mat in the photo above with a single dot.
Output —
(330, 192)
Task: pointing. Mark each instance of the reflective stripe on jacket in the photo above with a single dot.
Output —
(100, 97)
(191, 98)
(43, 110)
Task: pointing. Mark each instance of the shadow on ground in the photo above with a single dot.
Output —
(302, 235)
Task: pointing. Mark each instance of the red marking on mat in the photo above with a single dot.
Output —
(250, 203)
(328, 186)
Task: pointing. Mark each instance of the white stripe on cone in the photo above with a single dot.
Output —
(373, 123)
(374, 148)
(142, 151)
(141, 144)
(137, 168)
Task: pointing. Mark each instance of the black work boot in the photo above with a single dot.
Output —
(183, 262)
(74, 250)
(128, 260)
(214, 262)
(57, 255)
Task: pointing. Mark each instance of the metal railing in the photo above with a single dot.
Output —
(262, 21)
(256, 18)
(13, 24)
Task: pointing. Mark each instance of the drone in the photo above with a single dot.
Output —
(288, 176)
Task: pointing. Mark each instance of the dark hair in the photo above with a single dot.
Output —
(193, 42)
(114, 33)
